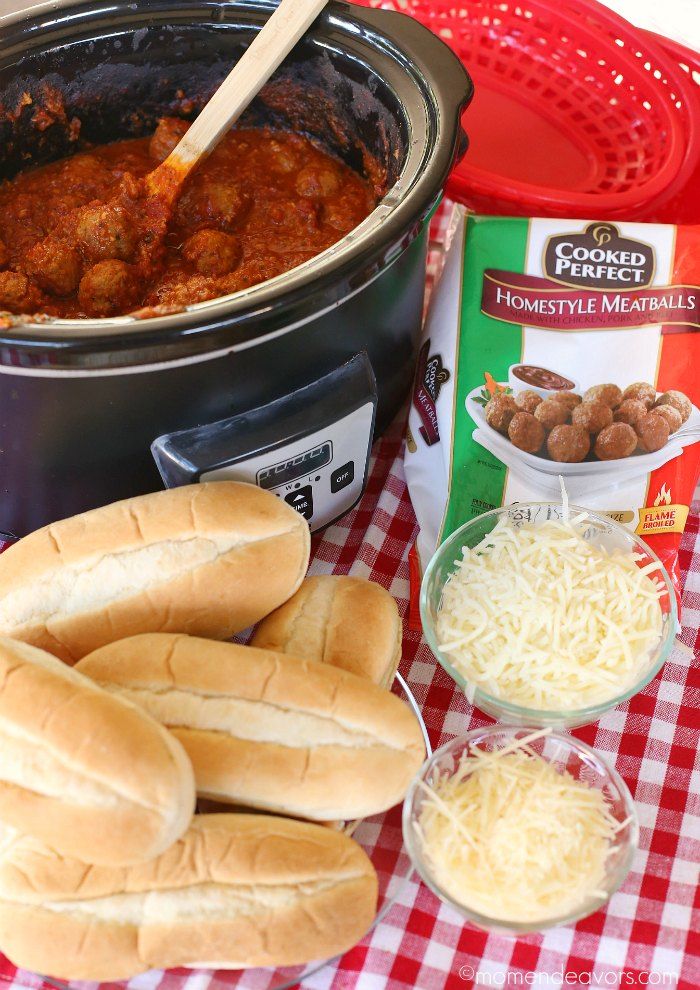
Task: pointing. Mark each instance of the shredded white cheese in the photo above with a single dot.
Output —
(543, 618)
(509, 836)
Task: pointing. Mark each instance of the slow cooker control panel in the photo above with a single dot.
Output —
(310, 448)
(322, 475)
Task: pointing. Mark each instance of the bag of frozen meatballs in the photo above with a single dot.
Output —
(560, 348)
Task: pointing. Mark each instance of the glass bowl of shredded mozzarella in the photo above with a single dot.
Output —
(520, 829)
(546, 614)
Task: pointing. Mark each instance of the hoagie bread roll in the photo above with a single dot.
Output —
(84, 770)
(267, 730)
(344, 621)
(206, 559)
(235, 891)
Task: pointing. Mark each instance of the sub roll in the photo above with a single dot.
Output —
(267, 730)
(344, 621)
(207, 559)
(83, 770)
(235, 891)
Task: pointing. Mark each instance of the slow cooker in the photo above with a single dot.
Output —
(284, 383)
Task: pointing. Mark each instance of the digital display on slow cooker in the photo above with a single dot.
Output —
(295, 467)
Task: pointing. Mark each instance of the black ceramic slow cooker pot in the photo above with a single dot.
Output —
(81, 402)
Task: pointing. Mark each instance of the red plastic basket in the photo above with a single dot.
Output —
(574, 114)
(683, 206)
(672, 65)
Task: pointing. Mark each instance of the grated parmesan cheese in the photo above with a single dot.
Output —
(542, 618)
(509, 836)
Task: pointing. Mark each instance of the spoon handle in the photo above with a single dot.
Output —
(265, 53)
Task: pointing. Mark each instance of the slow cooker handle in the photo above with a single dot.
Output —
(454, 89)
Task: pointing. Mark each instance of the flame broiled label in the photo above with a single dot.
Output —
(663, 516)
(599, 258)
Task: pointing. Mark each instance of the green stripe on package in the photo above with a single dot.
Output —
(464, 358)
(486, 350)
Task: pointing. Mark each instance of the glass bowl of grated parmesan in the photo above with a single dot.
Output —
(546, 614)
(520, 829)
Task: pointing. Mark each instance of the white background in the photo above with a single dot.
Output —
(679, 19)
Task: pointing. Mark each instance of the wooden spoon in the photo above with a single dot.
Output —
(265, 53)
(145, 206)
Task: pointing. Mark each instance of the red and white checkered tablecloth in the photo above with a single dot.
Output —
(649, 933)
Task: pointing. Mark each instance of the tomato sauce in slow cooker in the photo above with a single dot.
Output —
(73, 243)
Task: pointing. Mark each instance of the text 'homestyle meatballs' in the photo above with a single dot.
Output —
(615, 441)
(526, 432)
(611, 395)
(499, 411)
(592, 416)
(653, 432)
(568, 444)
(552, 413)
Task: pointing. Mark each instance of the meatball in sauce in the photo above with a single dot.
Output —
(75, 243)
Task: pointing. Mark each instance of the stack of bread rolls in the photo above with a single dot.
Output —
(121, 704)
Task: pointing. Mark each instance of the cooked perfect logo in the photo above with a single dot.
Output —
(430, 377)
(599, 258)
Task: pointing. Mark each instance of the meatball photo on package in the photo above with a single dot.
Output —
(569, 351)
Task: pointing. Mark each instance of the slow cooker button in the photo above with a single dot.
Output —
(343, 476)
(302, 500)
